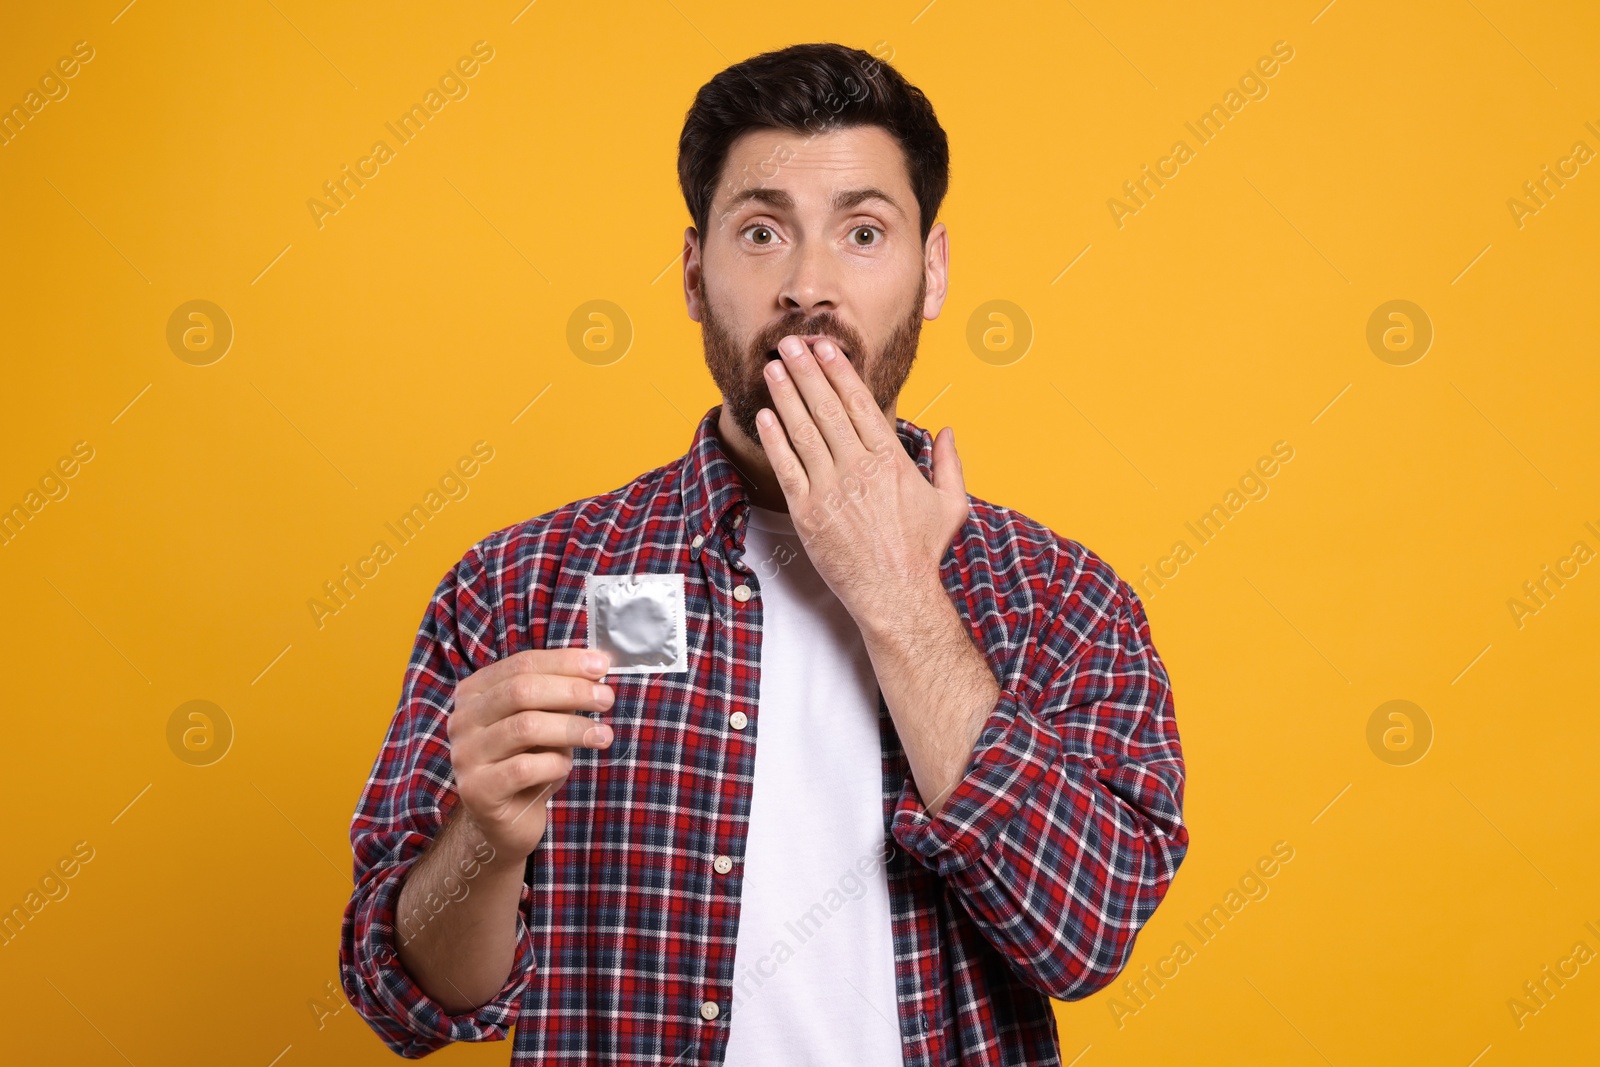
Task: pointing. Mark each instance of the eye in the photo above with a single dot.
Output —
(760, 228)
(856, 233)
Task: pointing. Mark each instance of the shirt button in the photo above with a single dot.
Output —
(722, 864)
(699, 539)
(737, 720)
(709, 1010)
(741, 592)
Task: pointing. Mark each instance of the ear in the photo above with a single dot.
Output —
(691, 272)
(936, 267)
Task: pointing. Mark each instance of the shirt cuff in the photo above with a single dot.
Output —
(1013, 755)
(403, 1000)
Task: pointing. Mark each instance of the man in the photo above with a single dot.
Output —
(921, 774)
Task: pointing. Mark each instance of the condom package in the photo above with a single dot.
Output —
(638, 619)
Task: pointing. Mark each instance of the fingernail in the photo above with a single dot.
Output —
(597, 735)
(791, 346)
(775, 368)
(594, 662)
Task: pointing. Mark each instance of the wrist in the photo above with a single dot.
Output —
(902, 619)
(467, 839)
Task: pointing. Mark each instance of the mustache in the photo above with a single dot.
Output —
(765, 346)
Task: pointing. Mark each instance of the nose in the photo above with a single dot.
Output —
(812, 283)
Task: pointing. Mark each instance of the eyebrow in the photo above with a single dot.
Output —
(780, 200)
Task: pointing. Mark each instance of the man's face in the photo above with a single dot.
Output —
(811, 235)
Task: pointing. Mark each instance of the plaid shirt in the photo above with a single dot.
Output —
(1030, 883)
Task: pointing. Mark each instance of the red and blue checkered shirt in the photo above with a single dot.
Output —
(1030, 883)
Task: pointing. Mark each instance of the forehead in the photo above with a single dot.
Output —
(801, 162)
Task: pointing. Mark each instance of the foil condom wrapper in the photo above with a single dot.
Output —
(638, 619)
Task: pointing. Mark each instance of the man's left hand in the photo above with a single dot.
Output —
(872, 525)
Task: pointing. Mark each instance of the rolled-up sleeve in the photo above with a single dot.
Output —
(407, 796)
(1067, 827)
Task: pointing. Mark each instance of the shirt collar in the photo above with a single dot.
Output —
(713, 490)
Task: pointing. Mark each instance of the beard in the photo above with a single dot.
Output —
(740, 369)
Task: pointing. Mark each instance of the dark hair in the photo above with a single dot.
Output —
(811, 89)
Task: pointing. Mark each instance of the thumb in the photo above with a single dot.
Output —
(947, 464)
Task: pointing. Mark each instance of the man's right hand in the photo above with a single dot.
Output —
(512, 734)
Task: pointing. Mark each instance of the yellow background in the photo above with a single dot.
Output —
(1228, 314)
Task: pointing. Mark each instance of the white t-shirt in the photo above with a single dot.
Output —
(814, 974)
